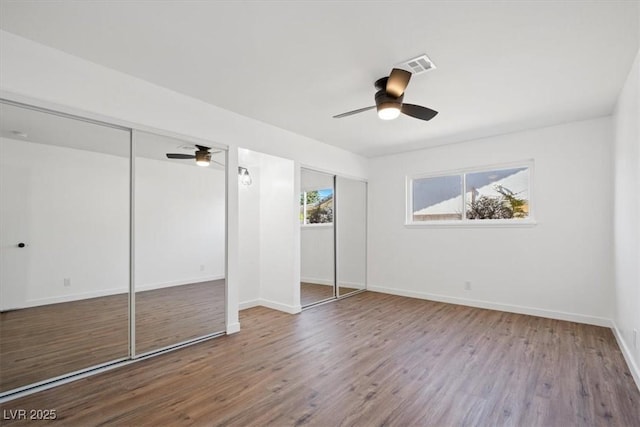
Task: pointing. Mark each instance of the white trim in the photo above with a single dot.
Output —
(317, 281)
(626, 352)
(171, 283)
(474, 169)
(357, 285)
(69, 298)
(532, 311)
(317, 225)
(249, 304)
(233, 328)
(291, 309)
(473, 223)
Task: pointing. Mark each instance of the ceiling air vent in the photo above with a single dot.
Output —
(417, 65)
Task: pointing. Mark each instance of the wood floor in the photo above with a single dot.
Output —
(44, 342)
(368, 360)
(312, 292)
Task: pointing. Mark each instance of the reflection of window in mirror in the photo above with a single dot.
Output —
(316, 206)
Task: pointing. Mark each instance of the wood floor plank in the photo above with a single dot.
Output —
(368, 360)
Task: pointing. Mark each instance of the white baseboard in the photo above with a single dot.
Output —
(354, 285)
(68, 298)
(559, 315)
(626, 352)
(291, 309)
(108, 292)
(233, 328)
(248, 304)
(343, 283)
(171, 283)
(317, 281)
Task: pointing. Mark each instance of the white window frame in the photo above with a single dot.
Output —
(464, 222)
(304, 211)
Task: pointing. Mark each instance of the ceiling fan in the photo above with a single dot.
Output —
(202, 155)
(389, 99)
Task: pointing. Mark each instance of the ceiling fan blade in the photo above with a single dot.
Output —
(202, 147)
(180, 156)
(419, 112)
(350, 113)
(397, 82)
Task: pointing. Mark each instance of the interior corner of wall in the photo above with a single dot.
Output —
(233, 328)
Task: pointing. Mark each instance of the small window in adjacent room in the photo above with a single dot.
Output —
(316, 206)
(493, 194)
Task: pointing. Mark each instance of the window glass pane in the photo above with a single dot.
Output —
(438, 198)
(498, 194)
(319, 206)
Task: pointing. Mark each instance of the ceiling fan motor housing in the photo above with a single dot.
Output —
(384, 100)
(203, 155)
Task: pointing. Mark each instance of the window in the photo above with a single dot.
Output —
(316, 206)
(498, 194)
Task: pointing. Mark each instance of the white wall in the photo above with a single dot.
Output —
(31, 72)
(249, 236)
(278, 223)
(627, 218)
(180, 224)
(267, 224)
(53, 199)
(72, 209)
(561, 267)
(316, 254)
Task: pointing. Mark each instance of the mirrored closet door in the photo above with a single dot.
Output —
(317, 239)
(104, 257)
(351, 235)
(64, 241)
(179, 241)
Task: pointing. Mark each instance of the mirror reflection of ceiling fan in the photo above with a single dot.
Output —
(202, 156)
(389, 99)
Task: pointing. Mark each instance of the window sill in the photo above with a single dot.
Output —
(316, 225)
(496, 223)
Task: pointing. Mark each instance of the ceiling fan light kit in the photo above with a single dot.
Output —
(388, 106)
(203, 158)
(388, 111)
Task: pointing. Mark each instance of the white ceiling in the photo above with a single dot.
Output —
(501, 66)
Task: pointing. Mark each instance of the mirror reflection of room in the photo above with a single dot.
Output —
(179, 241)
(66, 239)
(64, 234)
(317, 273)
(351, 235)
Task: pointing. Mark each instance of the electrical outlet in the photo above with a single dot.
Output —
(67, 281)
(635, 338)
(201, 267)
(467, 286)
